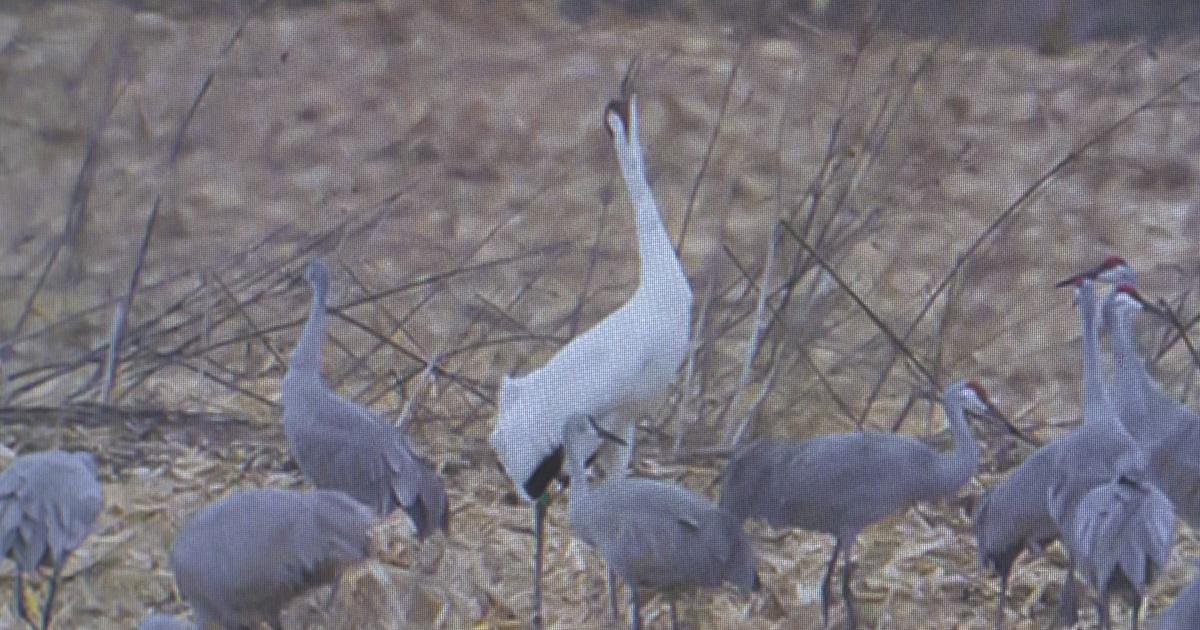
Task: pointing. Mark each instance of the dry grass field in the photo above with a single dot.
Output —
(448, 159)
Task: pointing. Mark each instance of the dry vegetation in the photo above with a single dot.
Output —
(451, 164)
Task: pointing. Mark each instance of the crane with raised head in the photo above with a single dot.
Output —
(1167, 429)
(240, 560)
(839, 484)
(626, 359)
(652, 534)
(49, 502)
(341, 445)
(1116, 525)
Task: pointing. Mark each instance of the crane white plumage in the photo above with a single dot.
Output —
(627, 359)
(653, 534)
(49, 502)
(241, 559)
(341, 445)
(839, 484)
(1184, 613)
(1167, 429)
(1116, 525)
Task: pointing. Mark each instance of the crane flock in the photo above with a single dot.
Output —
(1108, 491)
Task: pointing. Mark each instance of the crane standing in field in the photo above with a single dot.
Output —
(629, 357)
(1116, 525)
(1167, 429)
(653, 534)
(839, 484)
(1013, 516)
(49, 503)
(241, 559)
(341, 445)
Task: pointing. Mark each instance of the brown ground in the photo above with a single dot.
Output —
(406, 142)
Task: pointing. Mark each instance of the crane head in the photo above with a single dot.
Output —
(1115, 270)
(1127, 294)
(979, 403)
(616, 112)
(317, 273)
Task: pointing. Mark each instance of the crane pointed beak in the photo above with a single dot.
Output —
(1070, 282)
(605, 433)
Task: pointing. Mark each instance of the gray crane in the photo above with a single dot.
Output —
(159, 621)
(626, 359)
(241, 559)
(341, 445)
(839, 484)
(1116, 525)
(49, 503)
(653, 534)
(1013, 516)
(1168, 429)
(1184, 613)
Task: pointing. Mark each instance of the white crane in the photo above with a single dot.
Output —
(341, 445)
(839, 484)
(241, 559)
(1116, 525)
(653, 534)
(1184, 613)
(628, 358)
(49, 502)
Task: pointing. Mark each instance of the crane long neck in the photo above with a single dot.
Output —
(960, 463)
(1096, 405)
(660, 267)
(306, 358)
(1128, 360)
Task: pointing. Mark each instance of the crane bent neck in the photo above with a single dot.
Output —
(960, 463)
(306, 357)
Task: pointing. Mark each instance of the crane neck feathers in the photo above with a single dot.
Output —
(306, 357)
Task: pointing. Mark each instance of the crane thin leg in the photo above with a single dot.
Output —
(675, 616)
(1134, 613)
(847, 596)
(48, 605)
(825, 584)
(635, 609)
(1003, 597)
(19, 595)
(1068, 608)
(613, 605)
(539, 518)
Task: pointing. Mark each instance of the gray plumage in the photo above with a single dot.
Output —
(48, 504)
(1013, 516)
(1121, 535)
(1168, 430)
(159, 621)
(240, 560)
(839, 484)
(341, 445)
(1184, 613)
(654, 534)
(1113, 521)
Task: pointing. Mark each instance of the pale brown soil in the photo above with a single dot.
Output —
(444, 136)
